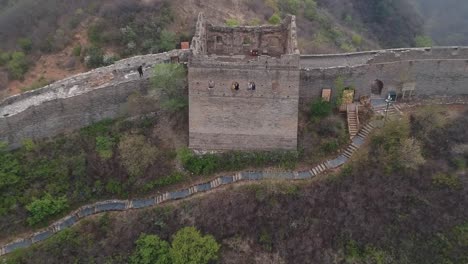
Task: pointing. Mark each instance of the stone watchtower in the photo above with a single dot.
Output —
(244, 87)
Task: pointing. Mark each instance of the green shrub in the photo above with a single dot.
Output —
(357, 40)
(460, 163)
(29, 145)
(114, 187)
(95, 33)
(172, 179)
(5, 57)
(449, 181)
(190, 247)
(320, 109)
(255, 22)
(331, 126)
(105, 146)
(205, 164)
(18, 65)
(368, 254)
(232, 22)
(167, 41)
(25, 44)
(339, 87)
(427, 119)
(275, 19)
(410, 153)
(289, 6)
(347, 47)
(266, 240)
(423, 41)
(95, 57)
(150, 249)
(136, 153)
(39, 83)
(41, 209)
(9, 178)
(229, 161)
(310, 9)
(77, 51)
(330, 146)
(170, 81)
(394, 147)
(100, 128)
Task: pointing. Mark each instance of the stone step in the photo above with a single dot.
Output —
(347, 155)
(319, 170)
(324, 168)
(315, 171)
(353, 147)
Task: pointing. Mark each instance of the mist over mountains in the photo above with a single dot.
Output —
(446, 21)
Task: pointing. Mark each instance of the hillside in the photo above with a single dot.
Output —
(46, 41)
(401, 200)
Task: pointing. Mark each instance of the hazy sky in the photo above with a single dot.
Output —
(446, 20)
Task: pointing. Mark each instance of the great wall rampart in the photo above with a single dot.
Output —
(77, 101)
(425, 72)
(80, 100)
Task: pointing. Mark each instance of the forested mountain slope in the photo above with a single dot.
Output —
(44, 41)
(445, 21)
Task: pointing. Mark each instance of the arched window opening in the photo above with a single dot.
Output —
(247, 41)
(377, 87)
(211, 84)
(252, 86)
(235, 86)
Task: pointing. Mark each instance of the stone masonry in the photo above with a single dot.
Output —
(241, 100)
(77, 101)
(435, 73)
(222, 117)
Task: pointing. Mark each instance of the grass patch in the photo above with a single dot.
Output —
(39, 83)
(235, 160)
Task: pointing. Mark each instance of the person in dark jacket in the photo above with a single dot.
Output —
(140, 71)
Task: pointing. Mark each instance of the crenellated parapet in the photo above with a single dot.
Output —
(420, 72)
(280, 81)
(77, 101)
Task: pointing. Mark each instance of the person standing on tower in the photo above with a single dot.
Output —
(140, 70)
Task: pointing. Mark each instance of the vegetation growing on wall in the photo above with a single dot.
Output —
(170, 81)
(234, 161)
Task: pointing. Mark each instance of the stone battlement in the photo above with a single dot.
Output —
(244, 87)
(76, 101)
(419, 72)
(280, 82)
(382, 56)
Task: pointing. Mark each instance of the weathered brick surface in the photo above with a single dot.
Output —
(222, 118)
(77, 101)
(436, 72)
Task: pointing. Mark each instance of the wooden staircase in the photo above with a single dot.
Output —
(352, 113)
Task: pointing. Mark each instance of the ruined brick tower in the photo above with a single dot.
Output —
(244, 87)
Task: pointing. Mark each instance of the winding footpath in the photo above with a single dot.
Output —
(124, 205)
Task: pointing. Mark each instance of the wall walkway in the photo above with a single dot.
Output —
(429, 72)
(77, 101)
